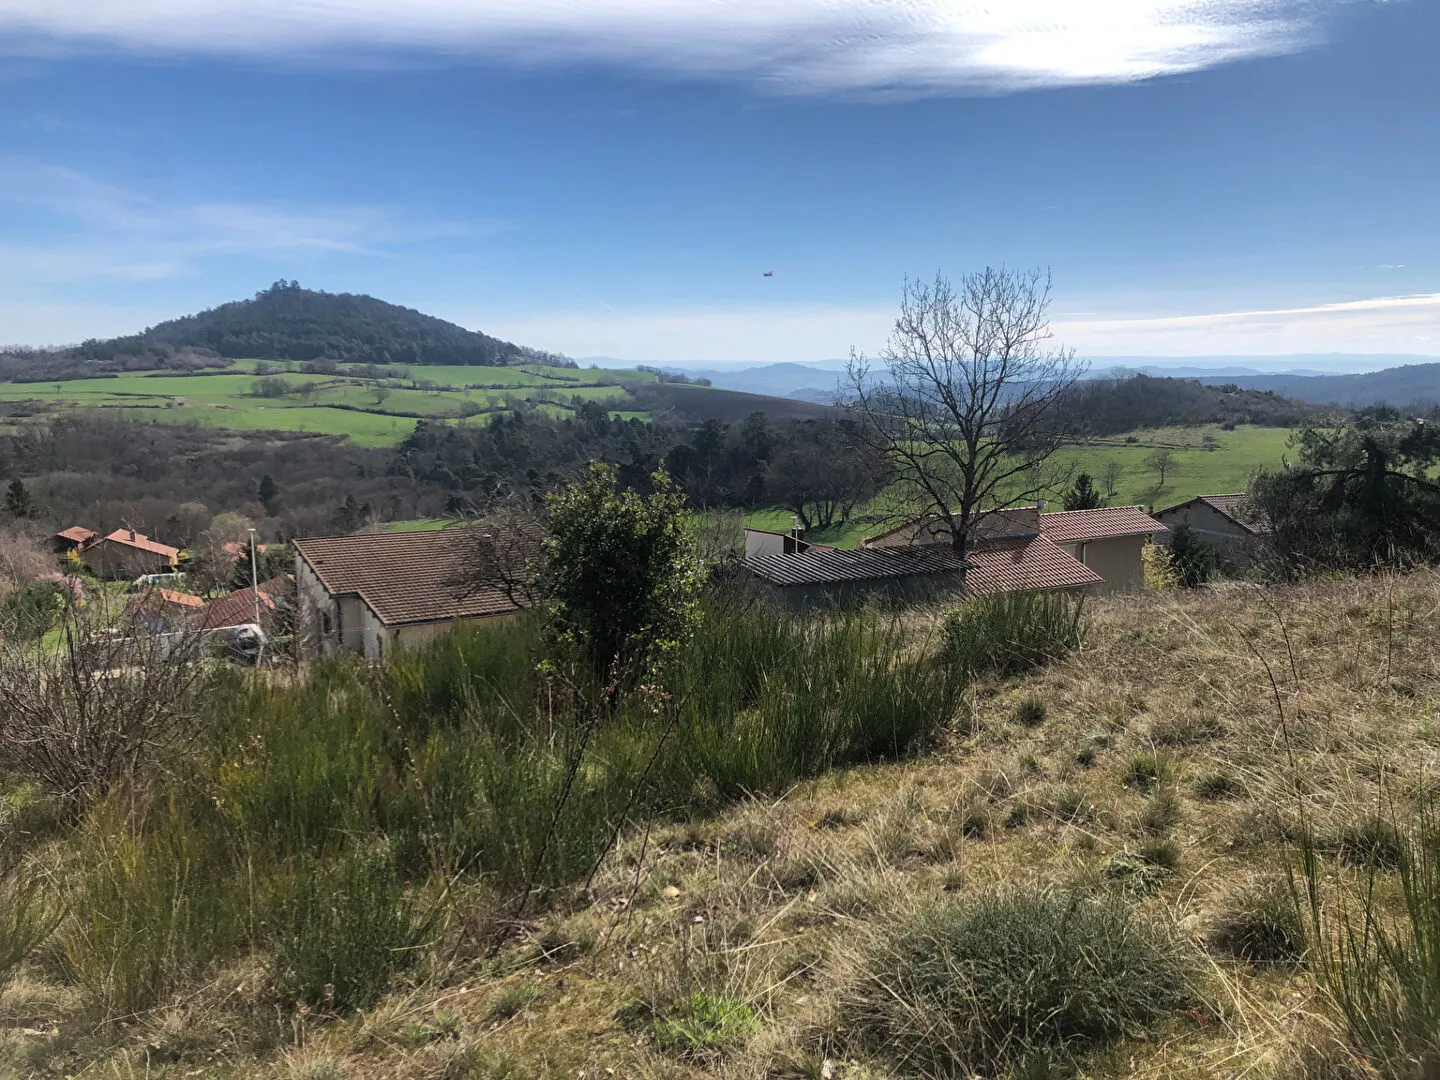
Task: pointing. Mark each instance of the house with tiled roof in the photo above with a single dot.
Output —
(126, 553)
(77, 536)
(1232, 524)
(162, 611)
(240, 608)
(375, 592)
(1108, 540)
(915, 560)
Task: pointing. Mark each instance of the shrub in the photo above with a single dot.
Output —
(1186, 729)
(1379, 960)
(1009, 633)
(981, 983)
(702, 1022)
(343, 931)
(30, 611)
(1260, 923)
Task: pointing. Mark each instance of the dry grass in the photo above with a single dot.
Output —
(1309, 705)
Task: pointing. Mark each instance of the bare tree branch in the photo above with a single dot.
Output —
(967, 404)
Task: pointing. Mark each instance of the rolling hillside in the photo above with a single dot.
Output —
(1411, 384)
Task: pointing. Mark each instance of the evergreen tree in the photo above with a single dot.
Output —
(1191, 556)
(17, 499)
(1084, 495)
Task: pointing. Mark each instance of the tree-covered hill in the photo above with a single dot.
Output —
(285, 322)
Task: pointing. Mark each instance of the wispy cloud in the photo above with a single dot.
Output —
(798, 46)
(1394, 324)
(99, 230)
(1397, 324)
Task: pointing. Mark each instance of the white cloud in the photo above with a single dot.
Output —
(1393, 324)
(1401, 324)
(791, 46)
(110, 232)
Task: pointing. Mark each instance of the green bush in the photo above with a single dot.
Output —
(1373, 841)
(30, 611)
(151, 903)
(983, 983)
(343, 931)
(1010, 633)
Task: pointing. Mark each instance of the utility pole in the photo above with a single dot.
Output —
(255, 592)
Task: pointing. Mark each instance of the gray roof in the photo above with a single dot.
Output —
(823, 567)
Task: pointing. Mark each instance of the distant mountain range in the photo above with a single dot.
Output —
(1408, 380)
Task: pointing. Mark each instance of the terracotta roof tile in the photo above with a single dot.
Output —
(140, 541)
(1068, 526)
(1015, 563)
(78, 533)
(407, 577)
(238, 608)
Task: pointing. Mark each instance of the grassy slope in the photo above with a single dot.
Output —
(769, 903)
(1239, 454)
(225, 400)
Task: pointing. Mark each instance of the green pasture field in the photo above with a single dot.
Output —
(226, 400)
(1236, 457)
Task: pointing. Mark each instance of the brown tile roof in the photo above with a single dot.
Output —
(140, 541)
(238, 608)
(829, 566)
(154, 601)
(78, 533)
(1238, 507)
(406, 577)
(1015, 563)
(1069, 526)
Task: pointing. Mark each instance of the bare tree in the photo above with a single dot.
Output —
(98, 709)
(1161, 461)
(1111, 477)
(501, 542)
(968, 406)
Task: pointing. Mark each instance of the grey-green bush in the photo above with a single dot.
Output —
(1009, 633)
(982, 983)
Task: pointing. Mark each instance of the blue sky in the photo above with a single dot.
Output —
(1203, 177)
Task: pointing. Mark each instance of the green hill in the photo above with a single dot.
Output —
(284, 322)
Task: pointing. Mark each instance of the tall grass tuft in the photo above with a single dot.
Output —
(344, 930)
(28, 915)
(1009, 633)
(152, 902)
(1376, 951)
(985, 983)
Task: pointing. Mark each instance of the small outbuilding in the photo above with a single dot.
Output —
(127, 554)
(77, 536)
(1108, 540)
(1232, 524)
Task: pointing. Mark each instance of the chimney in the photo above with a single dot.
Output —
(132, 536)
(1039, 506)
